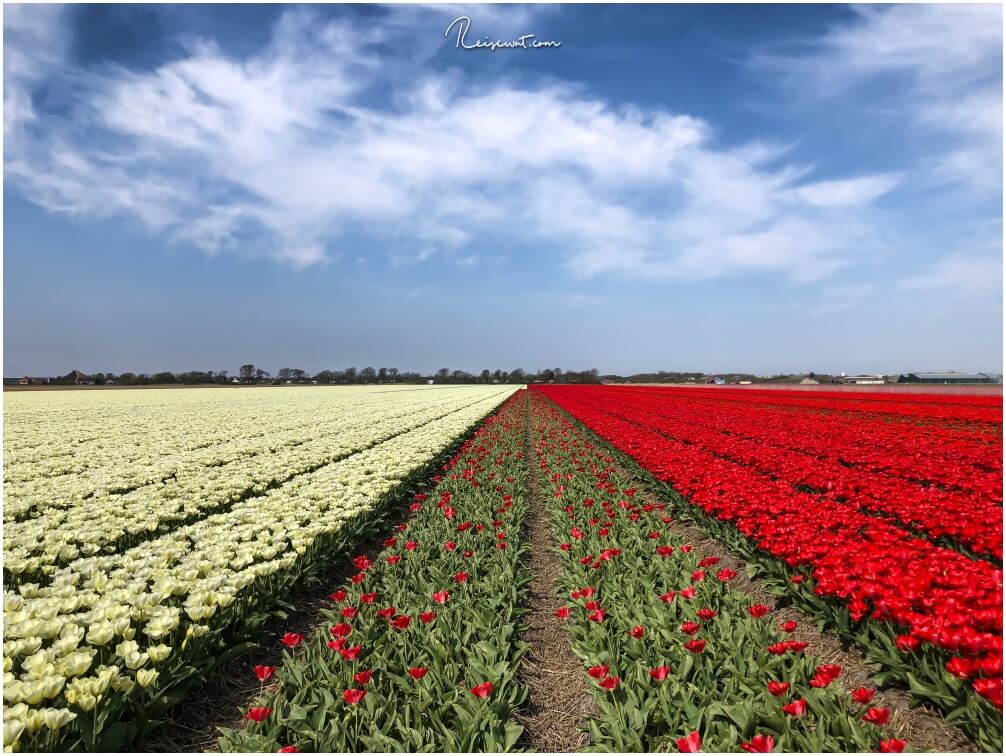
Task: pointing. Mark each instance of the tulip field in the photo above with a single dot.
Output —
(152, 539)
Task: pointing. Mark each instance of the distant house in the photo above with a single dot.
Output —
(80, 379)
(809, 382)
(715, 380)
(235, 380)
(947, 378)
(23, 380)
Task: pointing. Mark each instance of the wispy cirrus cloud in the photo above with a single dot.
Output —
(285, 153)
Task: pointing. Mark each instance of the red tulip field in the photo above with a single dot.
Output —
(712, 569)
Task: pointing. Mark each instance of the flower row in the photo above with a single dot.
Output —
(419, 648)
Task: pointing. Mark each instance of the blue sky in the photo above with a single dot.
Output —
(760, 189)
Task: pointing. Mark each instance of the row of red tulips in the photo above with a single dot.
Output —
(419, 648)
(940, 456)
(947, 408)
(930, 616)
(970, 520)
(677, 657)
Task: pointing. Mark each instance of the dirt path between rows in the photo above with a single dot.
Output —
(559, 701)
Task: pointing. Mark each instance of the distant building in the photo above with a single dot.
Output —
(715, 380)
(23, 380)
(809, 382)
(947, 378)
(739, 383)
(862, 380)
(80, 379)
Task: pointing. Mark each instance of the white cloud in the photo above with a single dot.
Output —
(287, 153)
(969, 273)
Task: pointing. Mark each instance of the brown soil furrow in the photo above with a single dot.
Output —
(559, 702)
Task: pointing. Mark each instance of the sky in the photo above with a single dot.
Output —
(765, 189)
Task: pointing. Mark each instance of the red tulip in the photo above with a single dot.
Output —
(907, 643)
(418, 673)
(427, 617)
(797, 708)
(665, 551)
(592, 605)
(877, 717)
(687, 593)
(259, 713)
(338, 596)
(441, 597)
(336, 645)
(450, 546)
(263, 672)
(599, 671)
(724, 575)
(349, 612)
(354, 695)
(668, 597)
(788, 626)
(393, 559)
(350, 654)
(660, 673)
(358, 578)
(892, 745)
(695, 645)
(289, 749)
(411, 545)
(758, 610)
(483, 690)
(706, 614)
(389, 542)
(638, 631)
(361, 562)
(759, 744)
(690, 628)
(686, 548)
(368, 598)
(363, 676)
(690, 744)
(609, 683)
(777, 688)
(386, 613)
(863, 696)
(401, 622)
(460, 577)
(562, 612)
(292, 640)
(820, 681)
(341, 630)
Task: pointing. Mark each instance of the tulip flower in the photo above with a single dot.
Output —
(386, 613)
(361, 562)
(706, 614)
(427, 617)
(338, 596)
(368, 598)
(687, 593)
(788, 626)
(638, 631)
(350, 654)
(401, 622)
(598, 671)
(609, 683)
(877, 717)
(723, 576)
(393, 559)
(668, 597)
(349, 612)
(562, 612)
(292, 640)
(417, 673)
(358, 578)
(597, 616)
(690, 744)
(441, 597)
(341, 630)
(336, 645)
(796, 708)
(695, 645)
(450, 546)
(482, 690)
(907, 643)
(389, 542)
(411, 545)
(759, 744)
(263, 673)
(690, 628)
(259, 713)
(289, 749)
(363, 676)
(863, 696)
(353, 696)
(778, 688)
(758, 610)
(460, 577)
(660, 673)
(892, 745)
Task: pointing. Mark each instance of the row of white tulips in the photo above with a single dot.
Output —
(117, 627)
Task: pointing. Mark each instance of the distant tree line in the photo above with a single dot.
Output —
(250, 374)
